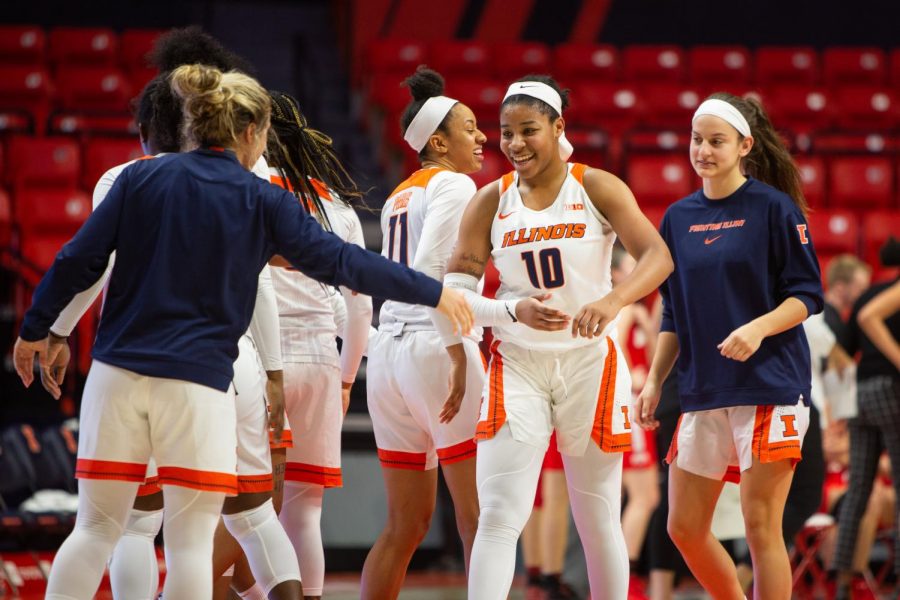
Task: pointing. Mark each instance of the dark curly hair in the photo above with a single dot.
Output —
(425, 83)
(158, 109)
(191, 45)
(540, 105)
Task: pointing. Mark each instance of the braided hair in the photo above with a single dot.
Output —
(302, 154)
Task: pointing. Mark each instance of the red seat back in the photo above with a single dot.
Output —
(659, 180)
(669, 105)
(513, 60)
(866, 107)
(653, 63)
(41, 162)
(22, 44)
(461, 58)
(878, 226)
(861, 182)
(719, 66)
(834, 231)
(135, 45)
(51, 210)
(585, 62)
(101, 154)
(793, 65)
(858, 66)
(93, 89)
(800, 108)
(813, 178)
(396, 56)
(83, 45)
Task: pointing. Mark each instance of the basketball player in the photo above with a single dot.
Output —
(417, 424)
(549, 227)
(746, 277)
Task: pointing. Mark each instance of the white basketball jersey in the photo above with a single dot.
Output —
(565, 250)
(419, 226)
(308, 329)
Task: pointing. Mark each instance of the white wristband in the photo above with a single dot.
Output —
(488, 312)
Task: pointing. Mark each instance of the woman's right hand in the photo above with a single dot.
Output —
(455, 307)
(645, 405)
(537, 315)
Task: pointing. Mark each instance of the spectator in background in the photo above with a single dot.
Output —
(873, 330)
(846, 277)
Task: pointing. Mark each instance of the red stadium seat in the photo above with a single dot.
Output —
(834, 231)
(14, 121)
(794, 65)
(27, 89)
(22, 44)
(861, 182)
(719, 65)
(614, 107)
(93, 89)
(5, 218)
(812, 176)
(51, 210)
(102, 154)
(669, 105)
(483, 96)
(653, 63)
(655, 214)
(669, 140)
(40, 250)
(857, 66)
(585, 62)
(591, 147)
(659, 180)
(135, 45)
(516, 59)
(138, 78)
(461, 58)
(800, 108)
(106, 124)
(84, 46)
(40, 162)
(854, 142)
(878, 226)
(866, 107)
(396, 56)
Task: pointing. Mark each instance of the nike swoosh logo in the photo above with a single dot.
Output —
(709, 241)
(502, 216)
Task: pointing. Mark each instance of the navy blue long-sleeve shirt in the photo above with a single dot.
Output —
(736, 259)
(191, 233)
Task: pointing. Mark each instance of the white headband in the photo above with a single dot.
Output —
(427, 120)
(549, 96)
(726, 112)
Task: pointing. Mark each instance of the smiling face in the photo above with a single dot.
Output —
(529, 138)
(716, 147)
(463, 143)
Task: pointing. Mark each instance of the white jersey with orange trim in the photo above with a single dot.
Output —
(564, 249)
(419, 225)
(305, 306)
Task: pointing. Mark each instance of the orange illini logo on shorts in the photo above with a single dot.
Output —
(788, 421)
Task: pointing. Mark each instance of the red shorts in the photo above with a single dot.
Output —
(643, 450)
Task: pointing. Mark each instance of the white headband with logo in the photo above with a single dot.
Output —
(726, 112)
(427, 120)
(549, 96)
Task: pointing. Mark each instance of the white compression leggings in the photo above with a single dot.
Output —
(133, 572)
(103, 508)
(301, 516)
(507, 473)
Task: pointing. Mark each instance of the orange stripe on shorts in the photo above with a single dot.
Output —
(394, 459)
(110, 469)
(209, 481)
(496, 416)
(457, 452)
(602, 433)
(315, 474)
(254, 484)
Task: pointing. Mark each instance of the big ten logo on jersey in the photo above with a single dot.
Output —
(575, 206)
(401, 201)
(540, 234)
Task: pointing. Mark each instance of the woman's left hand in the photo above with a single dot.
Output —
(593, 318)
(742, 343)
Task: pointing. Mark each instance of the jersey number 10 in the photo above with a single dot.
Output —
(402, 252)
(551, 275)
